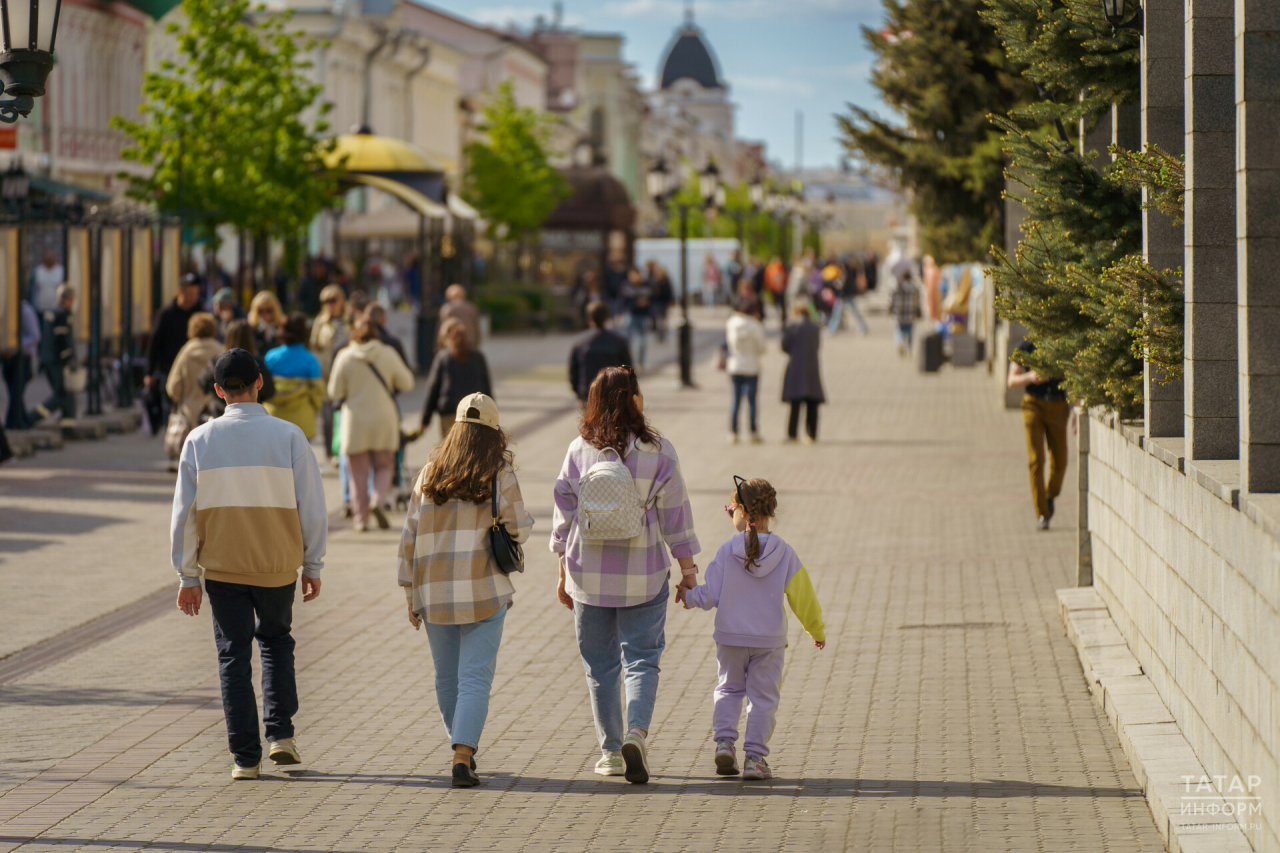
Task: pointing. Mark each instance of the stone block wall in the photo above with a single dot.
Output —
(1193, 583)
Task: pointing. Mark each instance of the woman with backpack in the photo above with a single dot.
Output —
(461, 591)
(367, 374)
(620, 506)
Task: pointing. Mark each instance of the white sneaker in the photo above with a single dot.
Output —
(284, 751)
(611, 764)
(238, 772)
(360, 527)
(756, 769)
(733, 438)
(633, 755)
(726, 760)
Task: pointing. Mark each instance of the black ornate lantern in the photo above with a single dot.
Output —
(28, 29)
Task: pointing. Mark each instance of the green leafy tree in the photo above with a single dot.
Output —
(224, 131)
(765, 235)
(509, 179)
(942, 68)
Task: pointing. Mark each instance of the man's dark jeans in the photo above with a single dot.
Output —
(242, 613)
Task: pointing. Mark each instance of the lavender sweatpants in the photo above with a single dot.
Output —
(753, 674)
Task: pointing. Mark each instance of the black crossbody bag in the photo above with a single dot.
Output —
(507, 553)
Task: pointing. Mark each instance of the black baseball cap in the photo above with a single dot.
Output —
(235, 370)
(191, 280)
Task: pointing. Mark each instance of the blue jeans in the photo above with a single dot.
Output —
(465, 658)
(614, 641)
(838, 309)
(241, 614)
(743, 385)
(904, 334)
(637, 328)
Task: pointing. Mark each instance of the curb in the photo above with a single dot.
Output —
(1158, 753)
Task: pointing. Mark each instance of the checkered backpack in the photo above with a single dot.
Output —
(609, 507)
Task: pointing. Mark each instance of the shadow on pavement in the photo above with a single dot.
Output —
(59, 696)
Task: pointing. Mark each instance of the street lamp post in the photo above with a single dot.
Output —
(664, 188)
(28, 29)
(1114, 11)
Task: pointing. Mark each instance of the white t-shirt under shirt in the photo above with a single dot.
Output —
(46, 281)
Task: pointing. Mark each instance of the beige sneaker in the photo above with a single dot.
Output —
(284, 751)
(611, 764)
(635, 757)
(238, 772)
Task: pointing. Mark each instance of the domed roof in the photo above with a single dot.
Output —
(366, 152)
(689, 56)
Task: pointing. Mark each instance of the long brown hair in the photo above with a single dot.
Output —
(240, 335)
(462, 467)
(759, 502)
(611, 417)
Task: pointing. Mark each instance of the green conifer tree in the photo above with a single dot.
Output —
(1080, 222)
(943, 69)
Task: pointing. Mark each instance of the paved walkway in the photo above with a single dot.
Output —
(947, 711)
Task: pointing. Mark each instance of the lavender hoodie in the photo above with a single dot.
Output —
(748, 602)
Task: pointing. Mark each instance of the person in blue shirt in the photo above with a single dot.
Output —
(299, 386)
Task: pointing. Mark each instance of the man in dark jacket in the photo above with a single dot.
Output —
(170, 331)
(57, 351)
(167, 337)
(598, 349)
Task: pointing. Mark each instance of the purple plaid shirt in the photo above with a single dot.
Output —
(624, 572)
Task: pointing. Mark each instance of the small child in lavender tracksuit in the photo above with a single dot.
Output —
(748, 579)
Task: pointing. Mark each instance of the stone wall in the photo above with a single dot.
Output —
(1193, 583)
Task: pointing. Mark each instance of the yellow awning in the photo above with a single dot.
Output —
(407, 194)
(367, 152)
(460, 208)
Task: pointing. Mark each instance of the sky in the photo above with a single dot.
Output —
(778, 56)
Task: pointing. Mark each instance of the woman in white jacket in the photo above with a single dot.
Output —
(744, 338)
(366, 376)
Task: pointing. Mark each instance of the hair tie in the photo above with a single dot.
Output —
(752, 523)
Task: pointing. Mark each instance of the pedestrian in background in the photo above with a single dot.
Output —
(1045, 412)
(265, 316)
(18, 365)
(300, 389)
(183, 383)
(617, 589)
(261, 515)
(456, 372)
(752, 574)
(168, 336)
(850, 283)
(366, 377)
(745, 344)
(377, 315)
(904, 305)
(457, 307)
(239, 336)
(710, 280)
(226, 310)
(57, 353)
(637, 296)
(775, 283)
(663, 297)
(327, 332)
(459, 592)
(596, 350)
(802, 384)
(44, 282)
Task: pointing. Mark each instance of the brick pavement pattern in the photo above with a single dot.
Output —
(947, 712)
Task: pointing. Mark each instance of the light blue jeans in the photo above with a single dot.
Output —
(465, 657)
(638, 335)
(838, 310)
(614, 641)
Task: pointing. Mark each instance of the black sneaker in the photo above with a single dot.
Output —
(1050, 515)
(464, 777)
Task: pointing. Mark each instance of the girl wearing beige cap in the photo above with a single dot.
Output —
(454, 584)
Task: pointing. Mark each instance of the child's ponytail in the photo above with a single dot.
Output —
(759, 501)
